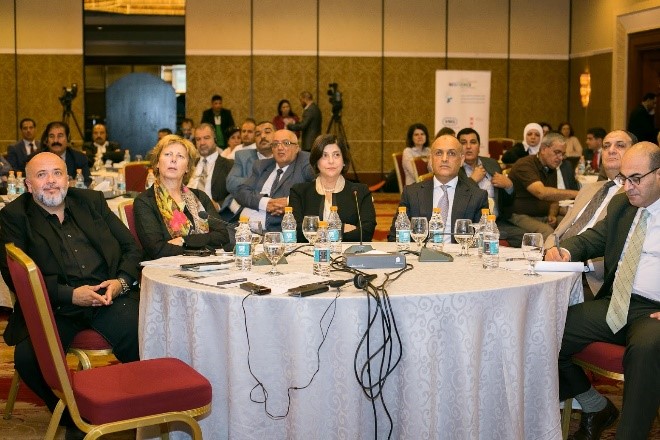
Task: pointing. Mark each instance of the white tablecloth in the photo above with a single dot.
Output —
(479, 358)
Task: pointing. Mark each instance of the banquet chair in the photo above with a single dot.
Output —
(424, 177)
(420, 166)
(398, 169)
(105, 399)
(136, 175)
(497, 147)
(86, 343)
(600, 358)
(126, 215)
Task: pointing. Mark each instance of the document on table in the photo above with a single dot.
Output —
(279, 284)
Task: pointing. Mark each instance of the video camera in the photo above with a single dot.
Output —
(335, 98)
(68, 95)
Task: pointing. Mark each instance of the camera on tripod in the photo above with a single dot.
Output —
(335, 98)
(68, 95)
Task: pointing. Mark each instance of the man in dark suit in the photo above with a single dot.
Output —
(310, 125)
(458, 195)
(55, 139)
(220, 118)
(264, 195)
(642, 119)
(18, 154)
(89, 261)
(101, 148)
(244, 159)
(211, 172)
(626, 309)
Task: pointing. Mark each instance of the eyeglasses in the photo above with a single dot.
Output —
(620, 179)
(285, 143)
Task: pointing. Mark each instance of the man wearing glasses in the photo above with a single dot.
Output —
(626, 310)
(534, 180)
(266, 192)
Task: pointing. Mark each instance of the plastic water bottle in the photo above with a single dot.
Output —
(436, 231)
(480, 230)
(150, 179)
(289, 229)
(11, 183)
(491, 252)
(80, 180)
(120, 183)
(98, 164)
(322, 251)
(334, 230)
(402, 225)
(20, 182)
(581, 168)
(242, 252)
(127, 156)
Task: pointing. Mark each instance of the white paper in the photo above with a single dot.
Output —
(279, 285)
(559, 266)
(175, 261)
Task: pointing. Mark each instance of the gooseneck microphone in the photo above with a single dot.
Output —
(218, 221)
(355, 249)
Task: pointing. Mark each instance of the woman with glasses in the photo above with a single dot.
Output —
(329, 159)
(170, 217)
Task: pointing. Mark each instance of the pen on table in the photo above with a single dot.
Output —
(558, 246)
(237, 280)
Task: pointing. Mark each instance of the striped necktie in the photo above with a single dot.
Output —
(443, 204)
(588, 212)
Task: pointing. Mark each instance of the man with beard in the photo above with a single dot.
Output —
(89, 261)
(55, 139)
(101, 148)
(212, 169)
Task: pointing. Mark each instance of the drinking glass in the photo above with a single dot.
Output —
(419, 230)
(257, 229)
(274, 249)
(310, 227)
(532, 248)
(463, 232)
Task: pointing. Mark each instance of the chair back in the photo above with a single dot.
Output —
(398, 169)
(126, 216)
(424, 177)
(136, 175)
(497, 146)
(421, 166)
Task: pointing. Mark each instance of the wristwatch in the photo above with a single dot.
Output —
(125, 288)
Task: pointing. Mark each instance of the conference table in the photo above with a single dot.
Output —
(478, 352)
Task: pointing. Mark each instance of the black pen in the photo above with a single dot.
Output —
(237, 280)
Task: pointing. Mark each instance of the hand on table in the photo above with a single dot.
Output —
(553, 254)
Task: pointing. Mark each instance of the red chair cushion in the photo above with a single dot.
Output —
(138, 389)
(603, 355)
(89, 339)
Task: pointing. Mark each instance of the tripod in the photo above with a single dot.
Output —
(336, 127)
(68, 114)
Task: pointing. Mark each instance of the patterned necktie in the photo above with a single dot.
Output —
(201, 182)
(443, 204)
(276, 182)
(588, 212)
(617, 313)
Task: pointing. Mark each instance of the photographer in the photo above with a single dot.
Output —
(311, 121)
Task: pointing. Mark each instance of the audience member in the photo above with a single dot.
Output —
(330, 161)
(642, 119)
(626, 310)
(233, 136)
(89, 261)
(594, 143)
(264, 195)
(220, 118)
(100, 148)
(546, 127)
(285, 115)
(573, 146)
(168, 215)
(532, 135)
(187, 129)
(445, 130)
(311, 121)
(417, 145)
(55, 139)
(164, 132)
(535, 185)
(247, 138)
(18, 153)
(457, 196)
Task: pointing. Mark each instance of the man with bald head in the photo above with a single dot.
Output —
(626, 309)
(89, 261)
(266, 192)
(455, 194)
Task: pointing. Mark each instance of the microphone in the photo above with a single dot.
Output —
(358, 249)
(205, 216)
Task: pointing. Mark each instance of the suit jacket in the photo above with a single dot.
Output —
(226, 121)
(249, 192)
(113, 152)
(74, 159)
(310, 125)
(23, 223)
(568, 174)
(17, 156)
(469, 200)
(306, 201)
(243, 162)
(594, 278)
(606, 239)
(502, 198)
(219, 178)
(153, 233)
(514, 153)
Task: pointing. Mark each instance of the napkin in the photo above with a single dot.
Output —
(560, 266)
(103, 186)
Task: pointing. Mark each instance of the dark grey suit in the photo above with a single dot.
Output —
(310, 126)
(249, 192)
(469, 200)
(243, 161)
(491, 166)
(18, 157)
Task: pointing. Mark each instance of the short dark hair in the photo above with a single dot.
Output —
(468, 130)
(546, 124)
(230, 132)
(50, 126)
(633, 137)
(322, 141)
(20, 124)
(445, 131)
(188, 121)
(216, 98)
(279, 107)
(597, 132)
(648, 96)
(165, 130)
(411, 131)
(561, 124)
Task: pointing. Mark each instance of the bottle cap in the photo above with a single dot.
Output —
(402, 209)
(485, 211)
(244, 219)
(288, 209)
(150, 170)
(78, 170)
(491, 218)
(19, 173)
(333, 208)
(323, 224)
(436, 210)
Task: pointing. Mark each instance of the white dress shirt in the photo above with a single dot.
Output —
(210, 166)
(263, 203)
(437, 194)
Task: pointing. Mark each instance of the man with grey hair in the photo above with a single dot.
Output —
(534, 178)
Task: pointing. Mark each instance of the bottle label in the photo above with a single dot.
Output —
(404, 235)
(121, 186)
(437, 237)
(242, 249)
(491, 247)
(321, 255)
(333, 235)
(11, 188)
(289, 235)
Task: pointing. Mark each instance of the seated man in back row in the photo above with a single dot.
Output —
(456, 195)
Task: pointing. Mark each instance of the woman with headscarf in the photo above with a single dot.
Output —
(532, 136)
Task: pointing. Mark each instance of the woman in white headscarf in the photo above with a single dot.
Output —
(532, 136)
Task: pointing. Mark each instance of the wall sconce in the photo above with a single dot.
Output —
(585, 89)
